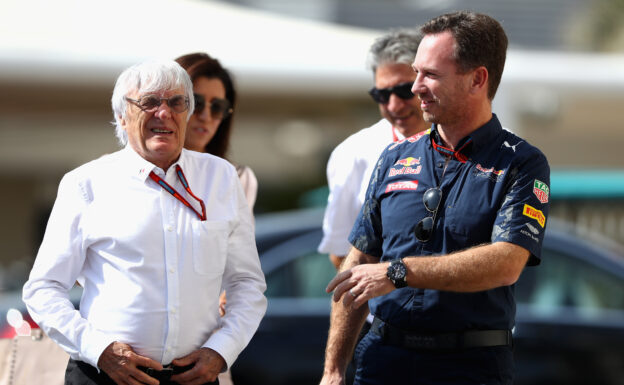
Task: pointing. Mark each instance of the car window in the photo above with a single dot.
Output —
(562, 280)
(307, 275)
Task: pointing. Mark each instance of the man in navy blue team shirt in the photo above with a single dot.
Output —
(451, 218)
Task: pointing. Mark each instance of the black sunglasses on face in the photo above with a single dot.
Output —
(219, 108)
(382, 95)
(150, 103)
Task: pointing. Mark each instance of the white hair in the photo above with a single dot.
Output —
(149, 76)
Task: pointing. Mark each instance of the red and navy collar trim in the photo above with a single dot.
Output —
(459, 154)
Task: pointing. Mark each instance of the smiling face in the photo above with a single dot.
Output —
(202, 127)
(404, 114)
(157, 136)
(442, 89)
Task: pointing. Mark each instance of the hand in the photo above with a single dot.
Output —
(207, 364)
(329, 379)
(361, 283)
(120, 362)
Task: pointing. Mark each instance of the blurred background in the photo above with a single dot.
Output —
(302, 82)
(300, 71)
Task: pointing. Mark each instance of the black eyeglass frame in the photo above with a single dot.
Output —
(223, 112)
(382, 95)
(173, 107)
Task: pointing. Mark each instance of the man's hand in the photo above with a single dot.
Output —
(332, 379)
(207, 364)
(361, 283)
(120, 362)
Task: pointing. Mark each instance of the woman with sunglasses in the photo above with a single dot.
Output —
(210, 126)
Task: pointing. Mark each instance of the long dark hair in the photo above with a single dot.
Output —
(201, 64)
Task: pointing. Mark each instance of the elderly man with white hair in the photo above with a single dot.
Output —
(153, 233)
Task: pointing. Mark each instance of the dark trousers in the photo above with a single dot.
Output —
(378, 363)
(81, 373)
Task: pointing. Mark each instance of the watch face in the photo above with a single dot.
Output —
(398, 270)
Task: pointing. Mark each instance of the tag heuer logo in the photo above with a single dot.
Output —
(541, 191)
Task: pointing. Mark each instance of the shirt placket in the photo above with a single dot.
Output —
(171, 262)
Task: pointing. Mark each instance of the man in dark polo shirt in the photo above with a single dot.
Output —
(452, 216)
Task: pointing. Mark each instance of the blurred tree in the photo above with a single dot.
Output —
(603, 26)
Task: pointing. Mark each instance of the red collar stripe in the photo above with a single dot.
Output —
(457, 154)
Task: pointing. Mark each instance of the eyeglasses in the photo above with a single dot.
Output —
(219, 108)
(382, 95)
(431, 200)
(150, 103)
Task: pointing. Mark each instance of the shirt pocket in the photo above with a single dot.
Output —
(210, 241)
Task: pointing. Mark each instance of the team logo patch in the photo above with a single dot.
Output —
(541, 191)
(402, 186)
(534, 213)
(490, 170)
(533, 229)
(490, 173)
(407, 162)
(407, 169)
(404, 171)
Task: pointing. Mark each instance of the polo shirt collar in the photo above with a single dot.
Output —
(472, 143)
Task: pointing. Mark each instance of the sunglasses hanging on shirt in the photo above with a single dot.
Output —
(382, 95)
(219, 108)
(431, 200)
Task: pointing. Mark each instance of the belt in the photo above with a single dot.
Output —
(165, 374)
(441, 341)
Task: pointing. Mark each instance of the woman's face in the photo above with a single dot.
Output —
(201, 126)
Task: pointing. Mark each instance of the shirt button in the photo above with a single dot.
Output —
(172, 270)
(440, 164)
(170, 228)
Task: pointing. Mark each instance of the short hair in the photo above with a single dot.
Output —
(399, 46)
(480, 41)
(203, 65)
(149, 76)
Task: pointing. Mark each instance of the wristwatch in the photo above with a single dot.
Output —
(397, 273)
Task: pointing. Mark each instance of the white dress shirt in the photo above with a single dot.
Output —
(151, 270)
(348, 172)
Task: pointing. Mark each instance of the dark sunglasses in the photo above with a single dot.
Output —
(150, 103)
(219, 108)
(382, 95)
(431, 200)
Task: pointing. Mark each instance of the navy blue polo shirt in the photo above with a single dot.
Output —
(496, 189)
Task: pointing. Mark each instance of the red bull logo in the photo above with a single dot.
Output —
(404, 171)
(407, 162)
(490, 170)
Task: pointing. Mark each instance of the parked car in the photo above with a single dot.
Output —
(570, 314)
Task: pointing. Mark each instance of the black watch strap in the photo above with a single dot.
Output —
(397, 273)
